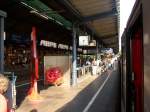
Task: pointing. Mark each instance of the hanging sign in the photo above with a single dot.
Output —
(83, 40)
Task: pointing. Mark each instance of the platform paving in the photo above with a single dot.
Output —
(54, 97)
(76, 99)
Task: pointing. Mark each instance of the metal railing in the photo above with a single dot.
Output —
(82, 71)
(11, 92)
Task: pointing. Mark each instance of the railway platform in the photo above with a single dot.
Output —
(100, 93)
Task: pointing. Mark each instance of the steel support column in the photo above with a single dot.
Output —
(74, 58)
(2, 16)
(1, 44)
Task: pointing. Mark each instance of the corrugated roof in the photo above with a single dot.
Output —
(91, 7)
(104, 26)
(101, 16)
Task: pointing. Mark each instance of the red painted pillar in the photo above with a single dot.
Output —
(33, 91)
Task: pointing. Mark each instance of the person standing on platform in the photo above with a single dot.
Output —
(94, 67)
(3, 88)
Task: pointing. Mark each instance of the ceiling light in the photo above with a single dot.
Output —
(25, 4)
(39, 14)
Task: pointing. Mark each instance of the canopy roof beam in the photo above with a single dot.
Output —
(109, 36)
(71, 8)
(100, 16)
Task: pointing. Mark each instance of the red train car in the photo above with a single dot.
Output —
(136, 60)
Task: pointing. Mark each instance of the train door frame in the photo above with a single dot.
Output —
(129, 90)
(146, 45)
(126, 79)
(136, 64)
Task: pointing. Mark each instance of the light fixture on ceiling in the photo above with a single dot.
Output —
(25, 4)
(92, 42)
(45, 16)
(59, 23)
(35, 11)
(39, 14)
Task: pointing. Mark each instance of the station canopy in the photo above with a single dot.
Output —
(100, 17)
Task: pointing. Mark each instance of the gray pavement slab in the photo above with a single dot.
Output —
(108, 100)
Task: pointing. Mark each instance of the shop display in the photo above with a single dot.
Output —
(17, 59)
(17, 55)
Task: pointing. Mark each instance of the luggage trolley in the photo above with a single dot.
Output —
(11, 92)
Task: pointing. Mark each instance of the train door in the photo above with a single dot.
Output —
(137, 64)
